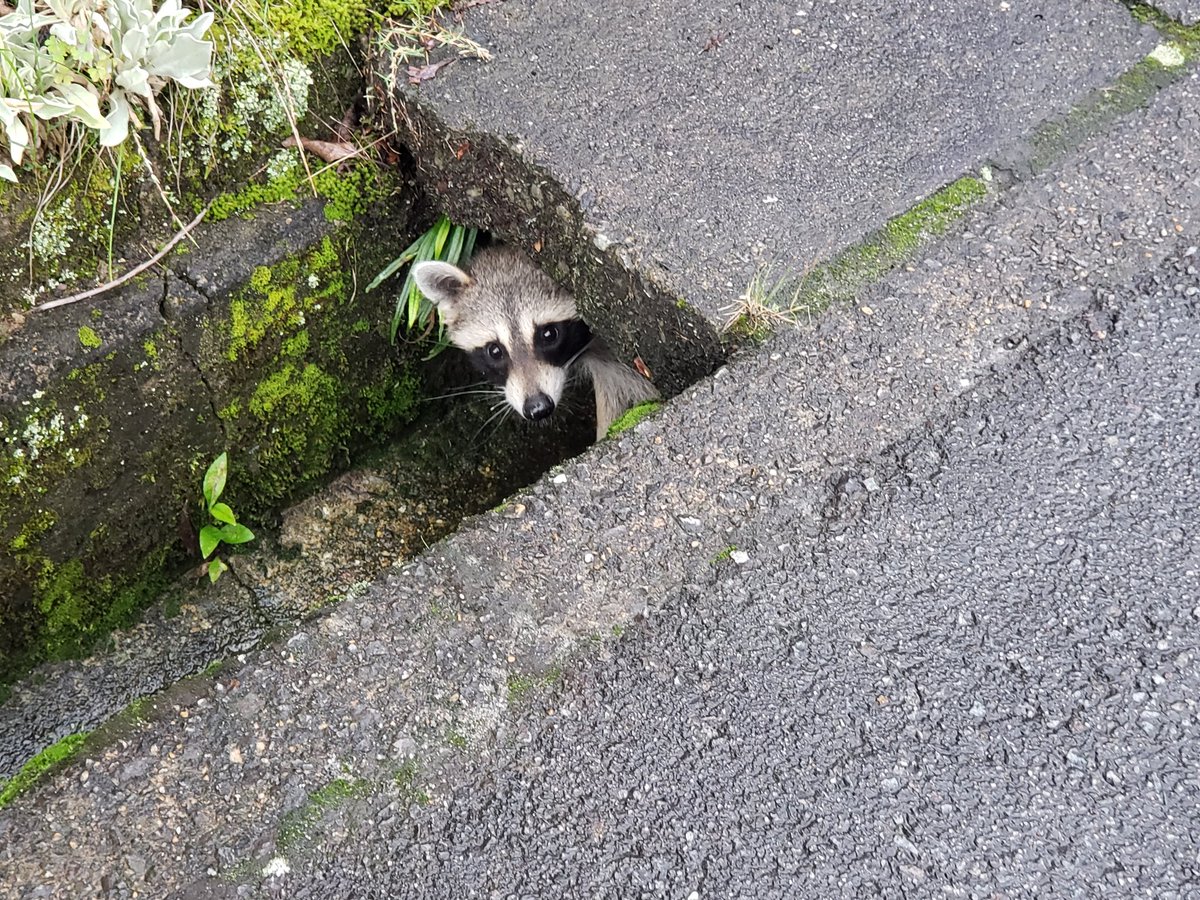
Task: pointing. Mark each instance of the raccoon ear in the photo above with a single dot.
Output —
(441, 282)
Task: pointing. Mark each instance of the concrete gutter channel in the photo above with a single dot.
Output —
(376, 713)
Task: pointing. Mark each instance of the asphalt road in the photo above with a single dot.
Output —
(975, 676)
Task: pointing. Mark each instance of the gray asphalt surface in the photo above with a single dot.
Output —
(965, 665)
(957, 658)
(709, 139)
(974, 674)
(1184, 11)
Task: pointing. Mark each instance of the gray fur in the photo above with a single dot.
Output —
(502, 299)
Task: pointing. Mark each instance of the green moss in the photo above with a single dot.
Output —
(317, 28)
(405, 781)
(64, 606)
(392, 400)
(150, 349)
(1132, 90)
(314, 402)
(346, 194)
(456, 740)
(750, 328)
(277, 299)
(633, 416)
(37, 525)
(405, 775)
(521, 686)
(350, 194)
(723, 554)
(138, 709)
(88, 337)
(77, 609)
(933, 215)
(296, 345)
(37, 768)
(296, 826)
(299, 426)
(841, 279)
(1188, 36)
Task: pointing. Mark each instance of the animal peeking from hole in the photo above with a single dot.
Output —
(524, 334)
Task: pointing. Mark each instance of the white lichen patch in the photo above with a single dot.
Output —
(258, 100)
(43, 432)
(276, 868)
(1169, 55)
(283, 164)
(50, 238)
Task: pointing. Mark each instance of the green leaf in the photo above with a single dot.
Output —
(236, 534)
(214, 480)
(454, 247)
(215, 568)
(469, 245)
(389, 270)
(210, 539)
(440, 231)
(222, 513)
(414, 304)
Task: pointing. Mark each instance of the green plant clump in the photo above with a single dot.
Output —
(224, 528)
(443, 241)
(61, 61)
(34, 770)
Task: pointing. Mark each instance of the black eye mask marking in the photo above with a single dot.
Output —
(557, 343)
(494, 370)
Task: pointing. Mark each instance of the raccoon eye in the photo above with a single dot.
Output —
(549, 334)
(495, 351)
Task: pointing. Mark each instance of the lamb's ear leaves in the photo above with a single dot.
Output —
(214, 479)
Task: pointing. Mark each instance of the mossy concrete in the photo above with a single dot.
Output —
(258, 342)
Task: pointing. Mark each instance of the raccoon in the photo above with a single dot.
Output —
(524, 334)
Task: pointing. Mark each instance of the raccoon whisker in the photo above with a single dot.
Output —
(500, 414)
(582, 350)
(503, 417)
(466, 392)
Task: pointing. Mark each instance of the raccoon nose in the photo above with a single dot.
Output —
(538, 407)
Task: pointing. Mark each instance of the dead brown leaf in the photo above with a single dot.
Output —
(329, 151)
(344, 130)
(417, 74)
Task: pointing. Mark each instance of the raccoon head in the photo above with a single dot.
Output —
(521, 330)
